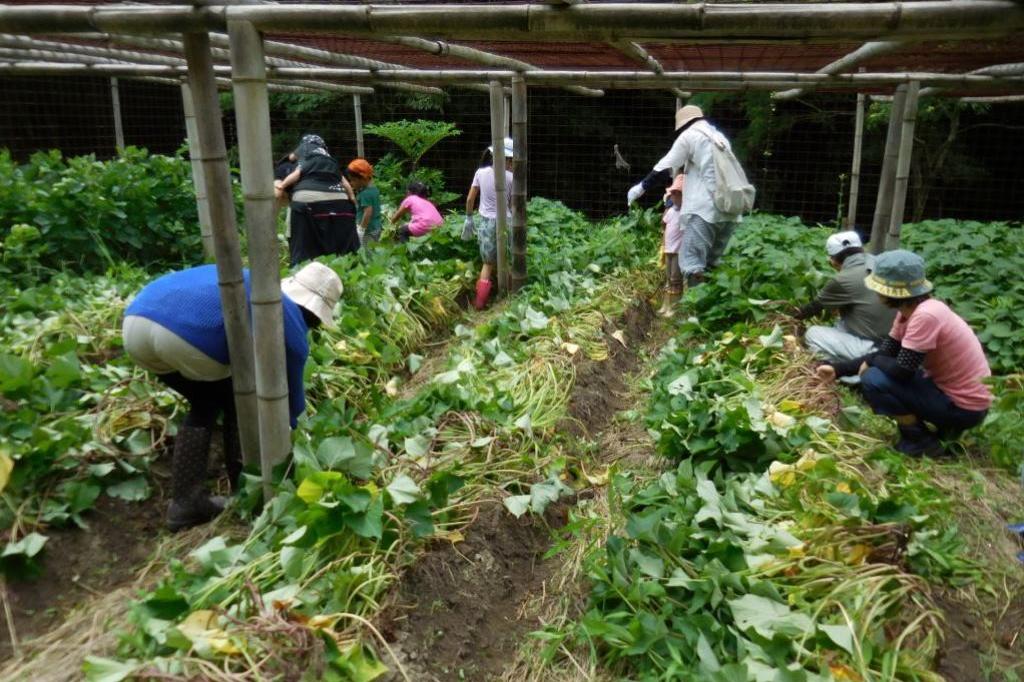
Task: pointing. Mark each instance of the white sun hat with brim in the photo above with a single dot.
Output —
(509, 149)
(317, 288)
(687, 114)
(840, 241)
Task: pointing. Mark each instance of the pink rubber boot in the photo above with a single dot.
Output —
(483, 292)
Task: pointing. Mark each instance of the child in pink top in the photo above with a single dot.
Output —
(673, 240)
(423, 215)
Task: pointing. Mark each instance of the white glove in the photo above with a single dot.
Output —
(634, 193)
(468, 228)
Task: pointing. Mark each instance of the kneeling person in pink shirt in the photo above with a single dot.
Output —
(929, 370)
(423, 215)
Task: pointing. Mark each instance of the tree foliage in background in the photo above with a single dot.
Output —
(414, 138)
(89, 215)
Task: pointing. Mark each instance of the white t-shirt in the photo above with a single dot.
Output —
(692, 151)
(484, 179)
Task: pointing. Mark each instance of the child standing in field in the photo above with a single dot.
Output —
(486, 232)
(360, 175)
(671, 243)
(423, 215)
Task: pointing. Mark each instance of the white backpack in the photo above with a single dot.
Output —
(733, 195)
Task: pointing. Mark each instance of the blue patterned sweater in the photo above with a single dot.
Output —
(187, 303)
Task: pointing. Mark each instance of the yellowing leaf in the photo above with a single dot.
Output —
(781, 420)
(857, 554)
(844, 673)
(6, 467)
(570, 348)
(309, 492)
(391, 388)
(597, 479)
(200, 627)
(782, 474)
(620, 337)
(797, 551)
(323, 621)
(791, 406)
(197, 623)
(452, 536)
(808, 460)
(843, 488)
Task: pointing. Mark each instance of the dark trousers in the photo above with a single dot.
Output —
(322, 228)
(920, 397)
(206, 399)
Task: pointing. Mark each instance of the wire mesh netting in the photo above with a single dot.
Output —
(968, 160)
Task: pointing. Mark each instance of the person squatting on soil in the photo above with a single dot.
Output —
(175, 328)
(323, 214)
(487, 231)
(423, 215)
(706, 229)
(368, 223)
(864, 321)
(928, 370)
(672, 240)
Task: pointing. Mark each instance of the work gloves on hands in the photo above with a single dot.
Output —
(468, 228)
(635, 192)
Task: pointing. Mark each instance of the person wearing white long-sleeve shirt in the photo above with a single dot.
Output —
(706, 229)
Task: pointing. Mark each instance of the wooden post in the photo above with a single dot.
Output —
(357, 105)
(115, 102)
(198, 179)
(858, 144)
(252, 119)
(518, 112)
(213, 158)
(899, 196)
(500, 191)
(883, 204)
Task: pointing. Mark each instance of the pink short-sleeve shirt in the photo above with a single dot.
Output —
(955, 360)
(423, 215)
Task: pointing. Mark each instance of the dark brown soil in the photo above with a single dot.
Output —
(978, 647)
(456, 616)
(600, 391)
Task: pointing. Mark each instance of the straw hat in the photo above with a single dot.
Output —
(508, 148)
(316, 288)
(687, 114)
(898, 274)
(841, 241)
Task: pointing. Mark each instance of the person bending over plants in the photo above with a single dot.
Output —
(864, 321)
(368, 224)
(487, 232)
(175, 328)
(323, 212)
(423, 215)
(928, 370)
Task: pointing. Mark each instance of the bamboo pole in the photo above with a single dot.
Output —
(650, 22)
(213, 157)
(252, 118)
(883, 203)
(115, 105)
(357, 106)
(847, 62)
(520, 167)
(1015, 69)
(858, 145)
(198, 178)
(500, 191)
(899, 197)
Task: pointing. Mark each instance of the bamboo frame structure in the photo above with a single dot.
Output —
(213, 157)
(846, 62)
(115, 105)
(858, 146)
(637, 53)
(500, 191)
(899, 197)
(357, 108)
(252, 118)
(887, 178)
(520, 167)
(643, 22)
(198, 178)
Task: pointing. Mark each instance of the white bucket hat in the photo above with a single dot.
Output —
(508, 148)
(687, 114)
(841, 241)
(316, 288)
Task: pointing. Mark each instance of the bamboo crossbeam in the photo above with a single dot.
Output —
(642, 22)
(708, 80)
(846, 63)
(639, 54)
(445, 49)
(1015, 69)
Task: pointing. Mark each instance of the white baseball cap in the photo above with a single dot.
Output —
(316, 288)
(508, 148)
(841, 241)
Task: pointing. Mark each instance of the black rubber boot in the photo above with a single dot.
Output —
(191, 505)
(232, 451)
(917, 441)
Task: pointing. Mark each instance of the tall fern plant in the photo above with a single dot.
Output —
(414, 138)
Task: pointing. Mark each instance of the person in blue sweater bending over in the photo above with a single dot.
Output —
(175, 328)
